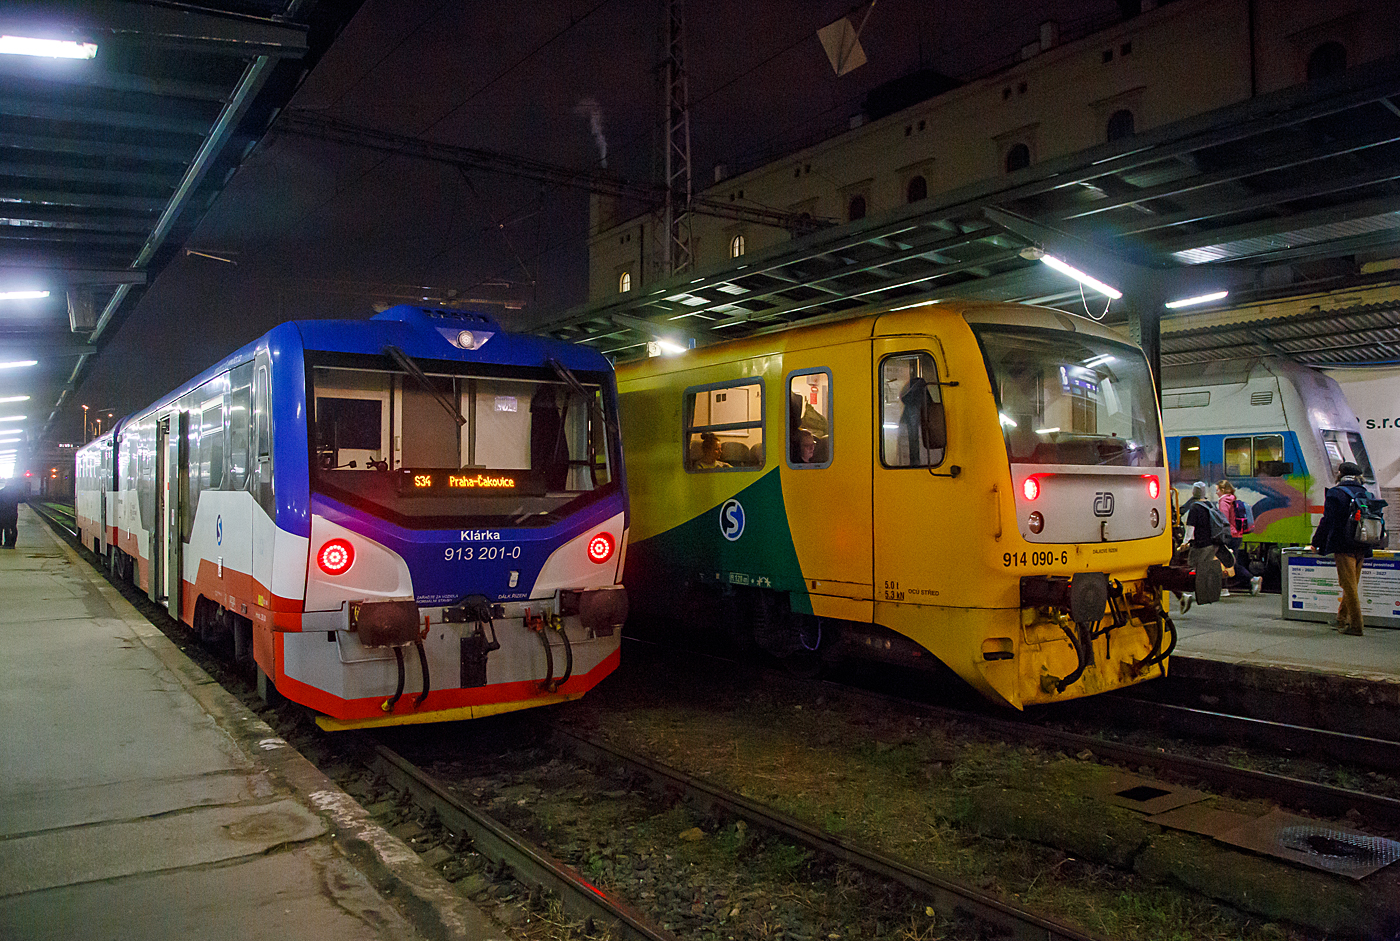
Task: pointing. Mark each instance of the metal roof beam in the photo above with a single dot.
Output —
(150, 25)
(103, 117)
(21, 69)
(72, 174)
(72, 220)
(95, 148)
(60, 278)
(77, 200)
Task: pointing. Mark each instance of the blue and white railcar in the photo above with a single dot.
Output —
(1275, 429)
(412, 518)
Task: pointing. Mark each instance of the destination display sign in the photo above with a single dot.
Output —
(439, 481)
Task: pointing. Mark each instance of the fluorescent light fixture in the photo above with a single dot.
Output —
(670, 347)
(20, 362)
(14, 398)
(1199, 299)
(1081, 277)
(1100, 360)
(13, 418)
(1046, 431)
(49, 48)
(1006, 420)
(22, 295)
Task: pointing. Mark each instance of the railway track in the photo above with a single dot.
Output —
(975, 913)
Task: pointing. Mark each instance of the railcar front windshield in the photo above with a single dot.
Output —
(1068, 398)
(455, 444)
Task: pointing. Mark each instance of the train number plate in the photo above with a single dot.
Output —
(1025, 560)
(480, 553)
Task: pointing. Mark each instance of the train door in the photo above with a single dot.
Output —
(260, 482)
(172, 489)
(825, 456)
(916, 524)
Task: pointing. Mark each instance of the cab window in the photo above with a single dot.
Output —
(809, 419)
(724, 426)
(911, 412)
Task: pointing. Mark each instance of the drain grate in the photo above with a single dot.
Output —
(1308, 843)
(1341, 848)
(1143, 793)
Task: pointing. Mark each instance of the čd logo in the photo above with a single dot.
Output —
(1103, 504)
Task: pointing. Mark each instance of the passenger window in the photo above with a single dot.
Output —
(912, 429)
(1268, 457)
(1239, 457)
(724, 426)
(211, 448)
(809, 419)
(240, 422)
(1191, 455)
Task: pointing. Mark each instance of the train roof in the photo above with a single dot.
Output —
(928, 317)
(421, 332)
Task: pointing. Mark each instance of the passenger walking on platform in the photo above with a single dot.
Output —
(1226, 502)
(1207, 554)
(1330, 539)
(9, 515)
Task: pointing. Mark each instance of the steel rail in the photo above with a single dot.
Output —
(529, 864)
(949, 898)
(1377, 754)
(1320, 799)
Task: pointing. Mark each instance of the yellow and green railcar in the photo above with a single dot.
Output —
(982, 484)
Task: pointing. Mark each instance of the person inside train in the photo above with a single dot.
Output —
(1330, 539)
(806, 447)
(709, 452)
(1234, 542)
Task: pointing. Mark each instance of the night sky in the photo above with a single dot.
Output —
(314, 229)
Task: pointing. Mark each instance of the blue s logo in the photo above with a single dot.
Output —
(731, 519)
(219, 529)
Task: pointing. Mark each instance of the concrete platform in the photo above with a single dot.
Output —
(138, 799)
(1240, 652)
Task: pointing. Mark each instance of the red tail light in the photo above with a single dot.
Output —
(1030, 488)
(1154, 487)
(336, 557)
(600, 548)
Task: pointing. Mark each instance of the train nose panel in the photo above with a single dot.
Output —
(1077, 504)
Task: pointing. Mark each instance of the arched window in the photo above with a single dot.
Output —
(1018, 158)
(624, 282)
(917, 189)
(736, 246)
(1120, 125)
(855, 209)
(1330, 58)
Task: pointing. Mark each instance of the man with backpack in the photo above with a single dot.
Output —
(1207, 532)
(1351, 527)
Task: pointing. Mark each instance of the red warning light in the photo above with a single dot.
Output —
(1031, 488)
(1154, 487)
(600, 548)
(336, 557)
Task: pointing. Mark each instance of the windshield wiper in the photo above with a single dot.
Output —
(409, 366)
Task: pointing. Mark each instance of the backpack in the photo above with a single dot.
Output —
(1244, 516)
(1365, 523)
(1219, 529)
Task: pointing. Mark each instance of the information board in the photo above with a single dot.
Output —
(1311, 592)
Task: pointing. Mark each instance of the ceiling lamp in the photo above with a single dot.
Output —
(22, 295)
(1081, 277)
(1199, 299)
(19, 362)
(48, 48)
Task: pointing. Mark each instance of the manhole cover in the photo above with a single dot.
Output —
(1347, 849)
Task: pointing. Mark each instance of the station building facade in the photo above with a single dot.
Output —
(1170, 62)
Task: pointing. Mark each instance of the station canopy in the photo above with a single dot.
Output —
(108, 162)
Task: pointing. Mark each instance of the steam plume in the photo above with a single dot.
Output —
(588, 107)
